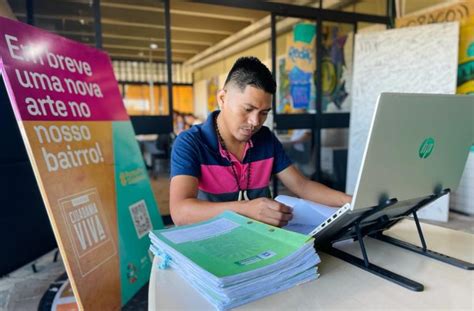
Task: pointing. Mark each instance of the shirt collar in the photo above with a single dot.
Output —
(223, 154)
(209, 133)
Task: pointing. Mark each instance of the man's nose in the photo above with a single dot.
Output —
(253, 119)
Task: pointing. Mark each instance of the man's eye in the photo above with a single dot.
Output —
(248, 109)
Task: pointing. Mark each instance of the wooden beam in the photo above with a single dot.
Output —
(126, 50)
(185, 25)
(191, 43)
(147, 48)
(192, 9)
(128, 56)
(180, 35)
(215, 11)
(189, 28)
(180, 21)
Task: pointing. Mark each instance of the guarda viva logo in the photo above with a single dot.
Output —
(426, 148)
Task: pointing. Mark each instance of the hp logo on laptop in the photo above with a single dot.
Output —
(426, 148)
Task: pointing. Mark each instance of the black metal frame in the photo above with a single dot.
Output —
(30, 12)
(122, 83)
(129, 59)
(160, 124)
(316, 126)
(169, 121)
(391, 11)
(154, 83)
(97, 23)
(152, 124)
(291, 10)
(363, 227)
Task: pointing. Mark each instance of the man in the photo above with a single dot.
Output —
(226, 162)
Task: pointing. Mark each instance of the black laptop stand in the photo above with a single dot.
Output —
(358, 229)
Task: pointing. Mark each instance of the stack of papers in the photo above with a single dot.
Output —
(232, 260)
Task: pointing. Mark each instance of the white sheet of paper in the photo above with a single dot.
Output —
(306, 215)
(201, 232)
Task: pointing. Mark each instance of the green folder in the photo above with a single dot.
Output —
(231, 244)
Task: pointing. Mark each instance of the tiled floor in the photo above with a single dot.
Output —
(23, 289)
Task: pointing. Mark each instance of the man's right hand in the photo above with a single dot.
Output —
(269, 211)
(186, 209)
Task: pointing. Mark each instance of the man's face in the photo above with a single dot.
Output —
(244, 112)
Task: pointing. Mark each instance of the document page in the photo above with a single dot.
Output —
(307, 215)
(215, 228)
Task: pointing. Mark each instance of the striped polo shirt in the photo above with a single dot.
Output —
(197, 152)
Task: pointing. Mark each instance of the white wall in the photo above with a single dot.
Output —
(463, 197)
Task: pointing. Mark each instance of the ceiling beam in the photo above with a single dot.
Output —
(175, 56)
(142, 45)
(146, 48)
(192, 43)
(195, 29)
(226, 13)
(185, 26)
(207, 24)
(300, 11)
(192, 9)
(180, 35)
(145, 45)
(127, 56)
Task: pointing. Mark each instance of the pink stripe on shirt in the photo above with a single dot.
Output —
(220, 179)
(217, 179)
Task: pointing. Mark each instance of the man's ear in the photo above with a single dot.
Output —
(221, 98)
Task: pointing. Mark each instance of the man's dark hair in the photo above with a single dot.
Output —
(251, 71)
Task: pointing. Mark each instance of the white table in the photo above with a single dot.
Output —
(343, 286)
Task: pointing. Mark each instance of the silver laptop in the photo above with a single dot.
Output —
(417, 145)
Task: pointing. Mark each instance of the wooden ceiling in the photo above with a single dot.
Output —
(129, 27)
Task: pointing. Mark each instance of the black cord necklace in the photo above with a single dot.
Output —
(242, 192)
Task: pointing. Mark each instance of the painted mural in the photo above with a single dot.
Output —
(212, 88)
(297, 70)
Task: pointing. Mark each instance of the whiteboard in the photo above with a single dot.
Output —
(420, 59)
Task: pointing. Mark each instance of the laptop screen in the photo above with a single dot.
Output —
(418, 145)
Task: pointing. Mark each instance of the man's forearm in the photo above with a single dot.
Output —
(190, 211)
(320, 193)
